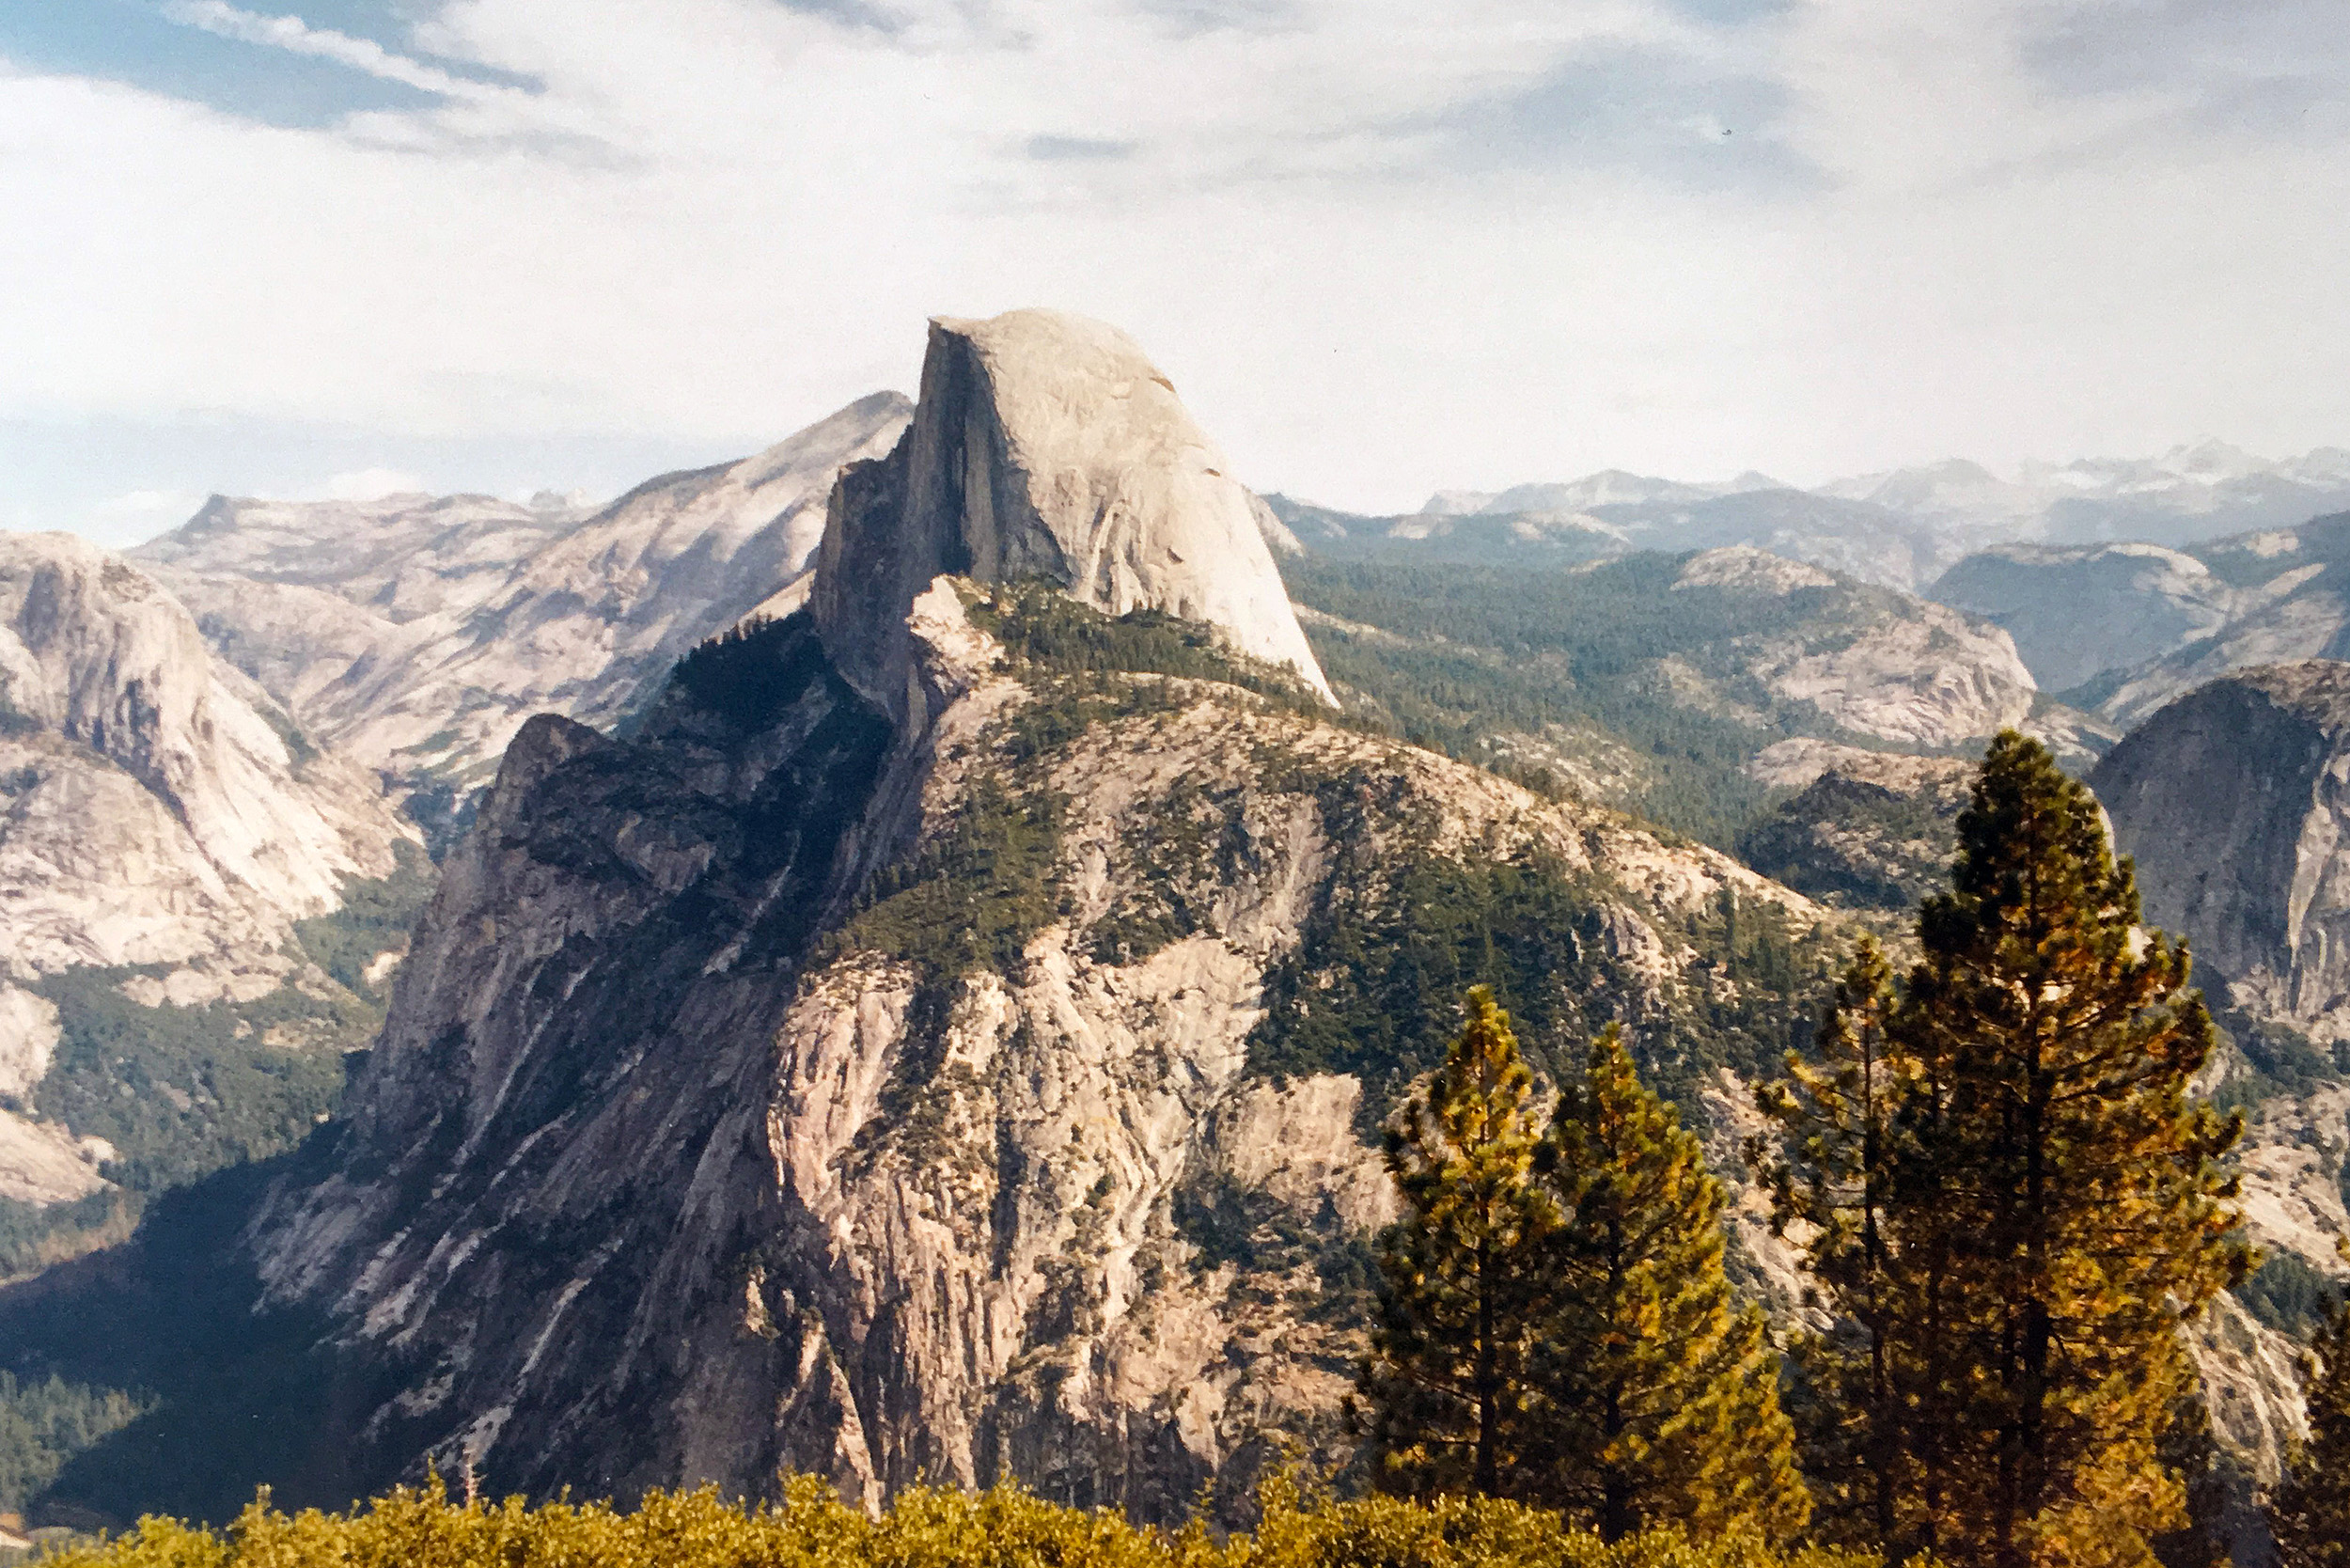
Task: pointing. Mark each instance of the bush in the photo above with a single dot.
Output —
(1005, 1527)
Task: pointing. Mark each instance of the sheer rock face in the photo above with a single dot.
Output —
(2236, 801)
(672, 1166)
(155, 806)
(1047, 445)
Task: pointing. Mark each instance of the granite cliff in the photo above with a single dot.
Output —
(163, 824)
(1048, 447)
(968, 1069)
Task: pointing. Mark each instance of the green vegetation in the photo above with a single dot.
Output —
(1847, 841)
(2006, 1192)
(2289, 1295)
(1371, 988)
(2311, 1511)
(374, 918)
(1476, 654)
(924, 1528)
(45, 1422)
(1456, 1405)
(1556, 1326)
(1662, 1392)
(975, 895)
(183, 1091)
(180, 1092)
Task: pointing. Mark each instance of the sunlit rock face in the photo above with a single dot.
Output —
(417, 633)
(1047, 445)
(2236, 801)
(159, 808)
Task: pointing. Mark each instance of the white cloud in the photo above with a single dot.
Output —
(291, 34)
(711, 219)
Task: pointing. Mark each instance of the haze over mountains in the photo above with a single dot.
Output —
(1903, 527)
(930, 917)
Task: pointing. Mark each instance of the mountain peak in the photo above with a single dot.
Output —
(1045, 445)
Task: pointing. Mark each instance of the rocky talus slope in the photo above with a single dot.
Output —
(161, 819)
(416, 634)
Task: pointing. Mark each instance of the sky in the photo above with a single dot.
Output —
(312, 248)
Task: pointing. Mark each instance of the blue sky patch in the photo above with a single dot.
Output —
(137, 43)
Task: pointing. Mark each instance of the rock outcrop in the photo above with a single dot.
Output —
(417, 633)
(789, 1084)
(1046, 446)
(2236, 801)
(2077, 614)
(1866, 830)
(156, 807)
(1872, 662)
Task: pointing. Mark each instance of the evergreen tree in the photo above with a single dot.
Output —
(1659, 1397)
(1844, 1116)
(2311, 1511)
(2048, 1203)
(1447, 1377)
(2061, 1185)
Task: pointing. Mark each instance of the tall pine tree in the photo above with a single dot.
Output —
(1448, 1374)
(2311, 1510)
(1837, 1184)
(2046, 1202)
(1658, 1394)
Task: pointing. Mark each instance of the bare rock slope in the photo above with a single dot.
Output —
(160, 806)
(416, 634)
(157, 810)
(967, 1070)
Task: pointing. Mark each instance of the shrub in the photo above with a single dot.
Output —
(926, 1528)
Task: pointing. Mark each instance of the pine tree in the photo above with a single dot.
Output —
(2311, 1511)
(1843, 1113)
(2058, 1179)
(1659, 1396)
(1447, 1377)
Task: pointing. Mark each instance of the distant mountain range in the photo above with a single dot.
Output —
(1902, 528)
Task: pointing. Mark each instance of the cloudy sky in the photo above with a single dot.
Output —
(308, 247)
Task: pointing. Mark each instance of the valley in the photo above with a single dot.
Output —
(889, 959)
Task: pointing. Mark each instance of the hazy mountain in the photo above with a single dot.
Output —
(1612, 514)
(1903, 527)
(2081, 612)
(2134, 626)
(415, 635)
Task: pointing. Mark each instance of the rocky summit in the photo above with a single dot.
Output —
(947, 1038)
(1046, 446)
